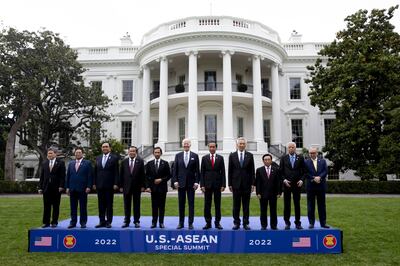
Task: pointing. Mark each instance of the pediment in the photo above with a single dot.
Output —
(125, 112)
(297, 111)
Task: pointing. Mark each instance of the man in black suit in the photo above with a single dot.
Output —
(212, 182)
(268, 189)
(106, 172)
(51, 184)
(132, 184)
(241, 181)
(158, 174)
(186, 177)
(292, 172)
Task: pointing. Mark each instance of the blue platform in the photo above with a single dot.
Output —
(171, 240)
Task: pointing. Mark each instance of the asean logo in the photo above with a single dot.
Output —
(69, 241)
(329, 241)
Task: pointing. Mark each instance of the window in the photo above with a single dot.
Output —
(297, 132)
(156, 85)
(210, 81)
(181, 130)
(267, 131)
(327, 127)
(97, 85)
(63, 139)
(333, 174)
(240, 127)
(126, 133)
(239, 79)
(94, 132)
(181, 79)
(210, 128)
(265, 88)
(127, 90)
(295, 90)
(155, 132)
(29, 172)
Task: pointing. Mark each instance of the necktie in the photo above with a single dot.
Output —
(104, 161)
(186, 158)
(132, 165)
(292, 160)
(212, 161)
(51, 165)
(77, 165)
(241, 159)
(268, 171)
(315, 165)
(157, 165)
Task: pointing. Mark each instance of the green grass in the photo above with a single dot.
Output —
(371, 229)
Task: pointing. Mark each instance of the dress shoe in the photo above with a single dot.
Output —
(180, 226)
(190, 227)
(219, 227)
(263, 228)
(137, 225)
(287, 227)
(53, 225)
(207, 226)
(235, 227)
(108, 225)
(45, 225)
(325, 226)
(162, 225)
(71, 226)
(100, 225)
(299, 227)
(153, 225)
(274, 228)
(311, 226)
(83, 226)
(124, 225)
(246, 227)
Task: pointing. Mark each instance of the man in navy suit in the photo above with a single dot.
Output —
(241, 181)
(212, 182)
(316, 173)
(132, 184)
(106, 177)
(186, 177)
(78, 183)
(51, 185)
(158, 173)
(268, 189)
(292, 171)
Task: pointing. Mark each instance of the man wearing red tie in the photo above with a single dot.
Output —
(268, 189)
(212, 182)
(132, 184)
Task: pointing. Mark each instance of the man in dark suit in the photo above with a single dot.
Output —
(292, 172)
(186, 177)
(241, 181)
(51, 185)
(316, 173)
(268, 189)
(212, 182)
(106, 177)
(132, 184)
(78, 183)
(158, 174)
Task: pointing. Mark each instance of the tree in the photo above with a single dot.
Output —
(42, 87)
(359, 78)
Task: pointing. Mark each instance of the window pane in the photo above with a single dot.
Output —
(182, 79)
(126, 133)
(297, 132)
(29, 172)
(267, 131)
(155, 132)
(210, 129)
(210, 80)
(127, 90)
(96, 84)
(181, 130)
(295, 90)
(327, 127)
(240, 127)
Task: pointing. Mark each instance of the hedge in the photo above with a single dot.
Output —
(335, 187)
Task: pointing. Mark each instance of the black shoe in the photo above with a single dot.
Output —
(162, 225)
(137, 225)
(246, 227)
(53, 225)
(124, 225)
(287, 227)
(45, 225)
(263, 228)
(108, 225)
(299, 227)
(219, 227)
(191, 227)
(235, 227)
(83, 226)
(100, 225)
(325, 226)
(274, 228)
(153, 225)
(71, 226)
(207, 226)
(311, 226)
(180, 226)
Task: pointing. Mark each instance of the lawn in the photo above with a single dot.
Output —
(371, 229)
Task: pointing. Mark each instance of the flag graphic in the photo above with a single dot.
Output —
(43, 241)
(301, 242)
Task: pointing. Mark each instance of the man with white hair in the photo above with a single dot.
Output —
(186, 178)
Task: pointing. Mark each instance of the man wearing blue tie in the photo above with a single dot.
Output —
(78, 183)
(316, 173)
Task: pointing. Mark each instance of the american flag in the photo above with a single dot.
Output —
(301, 242)
(43, 241)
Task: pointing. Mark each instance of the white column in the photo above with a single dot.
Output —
(163, 104)
(257, 105)
(192, 102)
(228, 141)
(146, 106)
(276, 137)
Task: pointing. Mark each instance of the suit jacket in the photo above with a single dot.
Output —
(134, 181)
(54, 179)
(322, 171)
(266, 186)
(292, 174)
(163, 172)
(212, 178)
(241, 177)
(81, 179)
(186, 176)
(107, 177)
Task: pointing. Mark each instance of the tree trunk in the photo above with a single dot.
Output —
(9, 165)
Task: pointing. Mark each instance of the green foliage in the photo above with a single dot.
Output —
(359, 78)
(117, 148)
